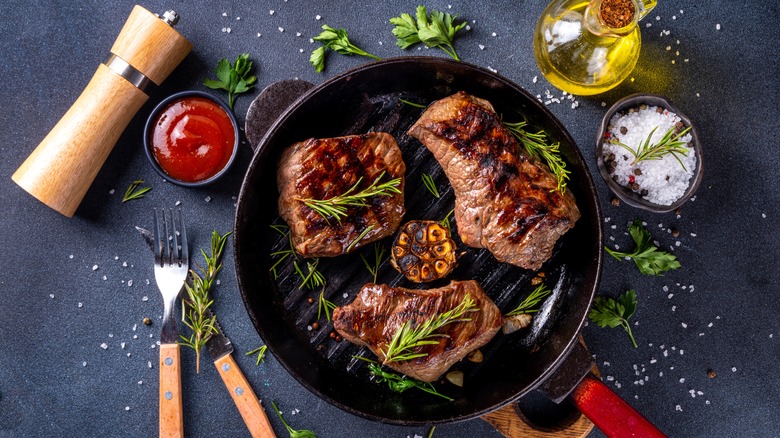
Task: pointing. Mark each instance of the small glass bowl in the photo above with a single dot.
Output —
(627, 195)
(150, 125)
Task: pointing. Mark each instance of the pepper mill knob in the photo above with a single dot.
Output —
(170, 17)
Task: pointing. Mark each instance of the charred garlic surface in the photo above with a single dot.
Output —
(423, 251)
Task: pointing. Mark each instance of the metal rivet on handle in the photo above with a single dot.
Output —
(168, 395)
(225, 367)
(239, 390)
(168, 361)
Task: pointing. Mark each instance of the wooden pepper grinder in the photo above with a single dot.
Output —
(63, 166)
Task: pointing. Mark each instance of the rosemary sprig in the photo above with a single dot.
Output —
(414, 104)
(430, 185)
(337, 205)
(133, 192)
(408, 338)
(399, 383)
(446, 221)
(670, 143)
(198, 299)
(293, 433)
(528, 305)
(260, 351)
(284, 253)
(313, 279)
(359, 238)
(537, 146)
(379, 254)
(324, 306)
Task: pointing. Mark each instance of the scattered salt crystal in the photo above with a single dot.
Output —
(678, 408)
(129, 283)
(763, 215)
(124, 264)
(668, 47)
(51, 296)
(660, 374)
(481, 47)
(122, 345)
(281, 29)
(110, 335)
(684, 325)
(140, 382)
(610, 378)
(178, 203)
(666, 353)
(308, 327)
(734, 369)
(707, 402)
(111, 192)
(104, 346)
(653, 360)
(207, 199)
(657, 18)
(674, 17)
(271, 12)
(105, 278)
(468, 27)
(238, 18)
(345, 295)
(717, 26)
(135, 326)
(70, 256)
(149, 363)
(81, 305)
(84, 363)
(681, 352)
(682, 380)
(700, 334)
(297, 34)
(603, 104)
(94, 267)
(606, 364)
(699, 393)
(535, 79)
(318, 17)
(224, 14)
(258, 35)
(145, 298)
(677, 243)
(493, 34)
(670, 296)
(665, 288)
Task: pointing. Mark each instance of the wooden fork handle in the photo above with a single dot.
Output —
(244, 397)
(171, 408)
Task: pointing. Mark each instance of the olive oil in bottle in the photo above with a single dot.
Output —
(588, 47)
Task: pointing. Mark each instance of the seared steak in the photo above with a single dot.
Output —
(324, 168)
(379, 311)
(504, 201)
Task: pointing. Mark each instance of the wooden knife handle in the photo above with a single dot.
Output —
(171, 408)
(244, 397)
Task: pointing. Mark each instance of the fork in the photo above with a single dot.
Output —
(171, 264)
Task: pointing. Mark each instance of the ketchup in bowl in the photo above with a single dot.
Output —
(191, 138)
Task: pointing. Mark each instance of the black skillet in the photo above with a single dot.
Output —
(369, 98)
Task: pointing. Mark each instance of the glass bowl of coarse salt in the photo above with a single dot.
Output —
(649, 153)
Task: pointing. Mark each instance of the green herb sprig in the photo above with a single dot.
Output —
(446, 221)
(379, 254)
(529, 304)
(407, 338)
(198, 299)
(324, 306)
(337, 206)
(609, 312)
(313, 278)
(260, 352)
(235, 79)
(284, 253)
(338, 41)
(133, 192)
(359, 238)
(648, 258)
(293, 433)
(414, 104)
(537, 146)
(670, 143)
(430, 185)
(399, 383)
(438, 30)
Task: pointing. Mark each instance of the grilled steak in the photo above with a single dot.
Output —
(379, 311)
(504, 201)
(324, 168)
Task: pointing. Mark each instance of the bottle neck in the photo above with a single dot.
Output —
(614, 18)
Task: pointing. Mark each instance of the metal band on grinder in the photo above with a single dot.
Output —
(127, 71)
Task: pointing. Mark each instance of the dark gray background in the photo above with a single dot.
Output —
(719, 311)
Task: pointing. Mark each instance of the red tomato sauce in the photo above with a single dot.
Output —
(193, 139)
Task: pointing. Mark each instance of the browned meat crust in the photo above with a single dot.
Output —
(504, 201)
(328, 167)
(379, 310)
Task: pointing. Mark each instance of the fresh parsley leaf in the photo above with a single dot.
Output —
(438, 30)
(648, 258)
(293, 433)
(338, 41)
(235, 79)
(608, 312)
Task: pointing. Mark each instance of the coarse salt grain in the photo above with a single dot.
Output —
(664, 180)
(104, 346)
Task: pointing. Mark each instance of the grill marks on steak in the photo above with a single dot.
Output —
(504, 201)
(328, 167)
(379, 311)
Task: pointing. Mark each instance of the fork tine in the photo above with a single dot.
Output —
(175, 257)
(185, 257)
(157, 240)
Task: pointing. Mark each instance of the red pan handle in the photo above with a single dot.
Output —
(615, 417)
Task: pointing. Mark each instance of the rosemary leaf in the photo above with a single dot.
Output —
(528, 305)
(359, 238)
(324, 306)
(446, 221)
(260, 351)
(337, 206)
(430, 185)
(198, 299)
(379, 253)
(537, 146)
(133, 192)
(407, 338)
(284, 253)
(293, 433)
(410, 103)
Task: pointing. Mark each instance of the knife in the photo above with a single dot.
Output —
(220, 349)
